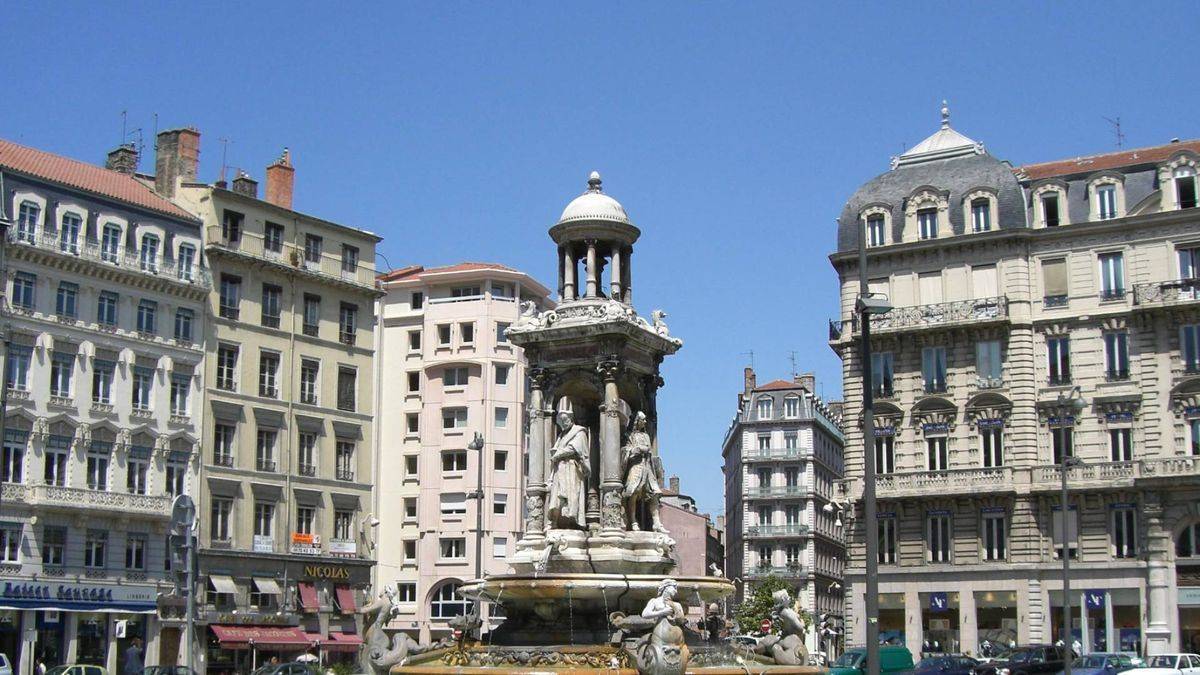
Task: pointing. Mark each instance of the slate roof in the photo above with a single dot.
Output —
(1108, 160)
(86, 177)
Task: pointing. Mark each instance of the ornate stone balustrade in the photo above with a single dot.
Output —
(1160, 293)
(1092, 474)
(761, 492)
(971, 311)
(92, 251)
(785, 530)
(786, 572)
(55, 497)
(941, 482)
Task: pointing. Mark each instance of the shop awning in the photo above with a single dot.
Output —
(308, 597)
(342, 642)
(242, 637)
(222, 584)
(345, 599)
(268, 586)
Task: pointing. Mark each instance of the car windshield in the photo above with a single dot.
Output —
(57, 670)
(848, 660)
(1161, 661)
(1020, 656)
(933, 664)
(1089, 662)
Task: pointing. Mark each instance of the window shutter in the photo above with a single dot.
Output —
(1054, 276)
(1072, 526)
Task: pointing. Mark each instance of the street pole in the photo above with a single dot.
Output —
(870, 520)
(1066, 561)
(191, 599)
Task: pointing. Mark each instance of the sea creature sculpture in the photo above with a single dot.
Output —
(380, 653)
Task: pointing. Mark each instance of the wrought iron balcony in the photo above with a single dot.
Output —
(972, 311)
(327, 267)
(785, 530)
(308, 470)
(344, 474)
(765, 454)
(223, 460)
(266, 465)
(1164, 293)
(766, 491)
(785, 571)
(91, 250)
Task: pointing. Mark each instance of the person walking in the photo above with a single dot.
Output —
(134, 658)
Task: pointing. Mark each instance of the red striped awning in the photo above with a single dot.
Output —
(342, 642)
(345, 599)
(308, 597)
(241, 637)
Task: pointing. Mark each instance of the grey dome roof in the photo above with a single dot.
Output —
(594, 205)
(958, 175)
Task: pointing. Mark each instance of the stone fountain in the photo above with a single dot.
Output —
(591, 586)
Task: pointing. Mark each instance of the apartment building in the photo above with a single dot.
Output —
(451, 416)
(1041, 312)
(782, 461)
(105, 286)
(287, 474)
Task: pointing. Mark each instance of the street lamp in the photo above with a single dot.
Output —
(1065, 405)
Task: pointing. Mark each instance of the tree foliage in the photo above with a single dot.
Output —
(758, 606)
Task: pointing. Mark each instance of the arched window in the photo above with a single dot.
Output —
(27, 220)
(447, 603)
(187, 258)
(1107, 197)
(110, 242)
(1187, 545)
(1185, 187)
(877, 221)
(149, 257)
(1050, 205)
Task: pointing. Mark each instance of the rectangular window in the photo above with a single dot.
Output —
(876, 235)
(763, 408)
(1050, 210)
(417, 300)
(231, 296)
(13, 468)
(1124, 532)
(501, 418)
(28, 216)
(95, 549)
(310, 370)
(110, 243)
(17, 375)
(312, 314)
(102, 380)
(791, 407)
(765, 555)
(149, 253)
(465, 292)
(1071, 532)
(307, 459)
(413, 422)
(349, 259)
(499, 504)
(68, 238)
(183, 325)
(176, 479)
(143, 387)
(271, 298)
(454, 461)
(106, 309)
(344, 460)
(231, 227)
(410, 508)
(264, 454)
(443, 331)
(927, 223)
(502, 332)
(1062, 443)
(791, 441)
(937, 459)
(1189, 348)
(54, 545)
(987, 363)
(1116, 355)
(981, 215)
(1185, 188)
(227, 360)
(24, 290)
(181, 386)
(499, 547)
(502, 290)
(306, 519)
(467, 332)
(1120, 444)
(454, 377)
(454, 418)
(991, 441)
(55, 469)
(312, 249)
(273, 238)
(218, 522)
(414, 381)
(264, 519)
(414, 340)
(135, 476)
(500, 460)
(343, 525)
(268, 374)
(1106, 201)
(938, 539)
(1054, 282)
(410, 466)
(185, 261)
(1112, 276)
(62, 366)
(223, 437)
(933, 369)
(995, 537)
(347, 388)
(453, 548)
(887, 541)
(791, 476)
(764, 442)
(885, 454)
(348, 323)
(764, 478)
(147, 317)
(66, 304)
(406, 592)
(135, 552)
(1058, 351)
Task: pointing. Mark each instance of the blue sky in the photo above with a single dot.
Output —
(732, 132)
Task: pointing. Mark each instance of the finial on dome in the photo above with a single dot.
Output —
(945, 115)
(594, 182)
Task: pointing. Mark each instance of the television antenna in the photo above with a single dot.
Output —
(224, 152)
(1116, 124)
(751, 355)
(792, 358)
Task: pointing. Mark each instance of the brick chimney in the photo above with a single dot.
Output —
(245, 185)
(806, 380)
(675, 484)
(280, 179)
(123, 159)
(750, 379)
(176, 159)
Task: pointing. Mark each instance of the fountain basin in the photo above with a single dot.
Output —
(570, 659)
(618, 589)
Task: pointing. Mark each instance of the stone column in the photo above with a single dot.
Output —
(968, 624)
(914, 632)
(592, 276)
(535, 482)
(568, 274)
(612, 516)
(1158, 582)
(615, 275)
(627, 276)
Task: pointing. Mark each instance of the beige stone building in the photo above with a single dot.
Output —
(287, 472)
(447, 373)
(1044, 310)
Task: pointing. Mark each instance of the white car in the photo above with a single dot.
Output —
(1171, 664)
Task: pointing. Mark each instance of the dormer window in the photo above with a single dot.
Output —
(149, 257)
(1185, 187)
(762, 409)
(981, 214)
(1050, 209)
(876, 232)
(927, 223)
(1106, 201)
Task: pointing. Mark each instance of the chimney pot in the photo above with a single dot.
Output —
(675, 484)
(245, 185)
(123, 159)
(749, 379)
(808, 381)
(176, 159)
(281, 177)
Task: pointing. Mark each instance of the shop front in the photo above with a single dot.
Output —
(1102, 619)
(891, 618)
(995, 621)
(939, 623)
(1189, 618)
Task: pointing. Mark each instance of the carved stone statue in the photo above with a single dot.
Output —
(664, 651)
(381, 654)
(787, 648)
(641, 475)
(566, 507)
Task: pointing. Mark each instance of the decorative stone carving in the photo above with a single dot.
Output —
(528, 317)
(568, 472)
(642, 475)
(663, 651)
(535, 518)
(612, 516)
(380, 653)
(787, 648)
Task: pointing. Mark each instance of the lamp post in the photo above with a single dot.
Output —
(1065, 405)
(867, 306)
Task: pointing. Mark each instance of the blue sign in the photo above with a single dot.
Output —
(990, 423)
(938, 602)
(1094, 599)
(938, 428)
(1122, 416)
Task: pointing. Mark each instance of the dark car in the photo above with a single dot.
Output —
(1101, 663)
(167, 670)
(1028, 660)
(949, 664)
(294, 668)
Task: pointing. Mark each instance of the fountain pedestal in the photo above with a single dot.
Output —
(577, 551)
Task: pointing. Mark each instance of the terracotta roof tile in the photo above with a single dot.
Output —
(86, 177)
(1108, 160)
(415, 271)
(778, 384)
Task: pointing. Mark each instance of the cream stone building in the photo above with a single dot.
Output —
(1040, 311)
(447, 375)
(105, 286)
(288, 469)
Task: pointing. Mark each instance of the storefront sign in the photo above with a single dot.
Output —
(327, 572)
(1094, 599)
(263, 544)
(306, 544)
(72, 596)
(938, 602)
(244, 617)
(1189, 596)
(340, 547)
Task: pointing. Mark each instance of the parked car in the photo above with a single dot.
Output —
(747, 641)
(1028, 660)
(1101, 663)
(893, 659)
(167, 670)
(77, 669)
(949, 664)
(5, 665)
(1171, 664)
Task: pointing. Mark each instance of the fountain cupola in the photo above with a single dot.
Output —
(594, 230)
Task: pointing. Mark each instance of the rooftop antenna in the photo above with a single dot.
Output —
(224, 151)
(792, 358)
(155, 133)
(1116, 123)
(124, 122)
(751, 355)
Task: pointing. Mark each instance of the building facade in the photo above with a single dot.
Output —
(1041, 312)
(287, 474)
(699, 543)
(448, 375)
(105, 286)
(782, 462)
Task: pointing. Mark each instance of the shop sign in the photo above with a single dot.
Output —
(244, 617)
(50, 593)
(342, 547)
(938, 602)
(1094, 599)
(333, 572)
(306, 544)
(264, 544)
(1189, 596)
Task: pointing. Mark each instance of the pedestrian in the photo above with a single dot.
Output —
(133, 658)
(40, 668)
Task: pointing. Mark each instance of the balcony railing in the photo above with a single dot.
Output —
(953, 480)
(785, 530)
(328, 267)
(56, 497)
(763, 491)
(1099, 474)
(223, 460)
(344, 474)
(91, 250)
(785, 571)
(1167, 292)
(773, 453)
(939, 314)
(265, 465)
(308, 470)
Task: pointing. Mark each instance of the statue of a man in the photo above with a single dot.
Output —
(641, 476)
(566, 507)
